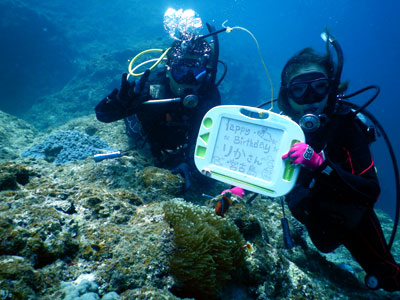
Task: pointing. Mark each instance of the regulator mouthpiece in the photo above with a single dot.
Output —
(311, 122)
(182, 25)
(190, 101)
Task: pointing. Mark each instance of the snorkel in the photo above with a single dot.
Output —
(214, 62)
(311, 122)
(333, 95)
(339, 53)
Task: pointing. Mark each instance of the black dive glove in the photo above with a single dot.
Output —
(132, 94)
(123, 103)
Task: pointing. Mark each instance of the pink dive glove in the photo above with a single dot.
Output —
(303, 154)
(235, 190)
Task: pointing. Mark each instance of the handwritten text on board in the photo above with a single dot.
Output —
(247, 148)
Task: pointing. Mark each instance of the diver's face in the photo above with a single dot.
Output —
(308, 90)
(188, 71)
(181, 90)
(186, 74)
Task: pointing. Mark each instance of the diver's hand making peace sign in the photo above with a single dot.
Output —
(124, 102)
(132, 94)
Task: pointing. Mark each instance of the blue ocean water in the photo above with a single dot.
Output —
(367, 31)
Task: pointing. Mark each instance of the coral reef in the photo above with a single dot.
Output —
(85, 289)
(117, 223)
(19, 280)
(208, 249)
(163, 181)
(109, 219)
(15, 135)
(13, 174)
(149, 292)
(66, 146)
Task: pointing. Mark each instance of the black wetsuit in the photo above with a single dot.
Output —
(336, 201)
(165, 126)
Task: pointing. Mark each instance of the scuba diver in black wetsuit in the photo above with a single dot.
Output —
(166, 107)
(337, 186)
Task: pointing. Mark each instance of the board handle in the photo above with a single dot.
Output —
(289, 169)
(255, 114)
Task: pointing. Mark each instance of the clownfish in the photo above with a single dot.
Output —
(226, 200)
(223, 205)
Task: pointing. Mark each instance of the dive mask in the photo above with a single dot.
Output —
(188, 72)
(308, 91)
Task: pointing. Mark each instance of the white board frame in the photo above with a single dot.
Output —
(230, 131)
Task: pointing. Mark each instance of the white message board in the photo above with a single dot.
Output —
(243, 146)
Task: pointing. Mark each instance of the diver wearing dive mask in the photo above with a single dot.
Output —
(189, 72)
(309, 88)
(337, 186)
(307, 94)
(165, 106)
(308, 91)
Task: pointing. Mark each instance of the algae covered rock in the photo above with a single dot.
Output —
(37, 235)
(162, 180)
(15, 135)
(208, 250)
(129, 256)
(18, 280)
(12, 174)
(149, 292)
